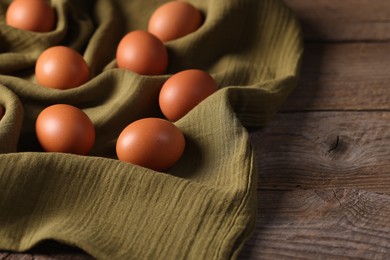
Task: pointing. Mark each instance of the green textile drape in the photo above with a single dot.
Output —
(202, 208)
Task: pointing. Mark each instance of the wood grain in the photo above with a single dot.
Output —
(318, 150)
(343, 77)
(347, 20)
(321, 224)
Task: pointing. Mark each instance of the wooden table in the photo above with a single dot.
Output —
(324, 161)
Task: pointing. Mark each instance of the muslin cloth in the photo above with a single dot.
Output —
(204, 207)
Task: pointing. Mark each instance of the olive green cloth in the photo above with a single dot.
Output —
(204, 207)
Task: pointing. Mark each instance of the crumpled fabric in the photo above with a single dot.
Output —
(204, 207)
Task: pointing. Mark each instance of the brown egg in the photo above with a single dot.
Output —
(153, 143)
(174, 20)
(61, 67)
(31, 15)
(142, 53)
(66, 129)
(1, 112)
(183, 91)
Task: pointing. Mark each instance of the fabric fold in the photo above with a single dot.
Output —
(204, 207)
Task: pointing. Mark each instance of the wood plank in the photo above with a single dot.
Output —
(316, 150)
(347, 20)
(343, 77)
(321, 224)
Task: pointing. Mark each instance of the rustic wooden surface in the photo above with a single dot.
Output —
(324, 161)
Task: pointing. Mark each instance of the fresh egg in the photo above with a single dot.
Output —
(142, 53)
(183, 91)
(31, 15)
(1, 112)
(174, 20)
(153, 143)
(61, 67)
(66, 129)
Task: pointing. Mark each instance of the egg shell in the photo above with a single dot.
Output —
(31, 15)
(66, 129)
(183, 91)
(61, 67)
(174, 20)
(153, 143)
(142, 53)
